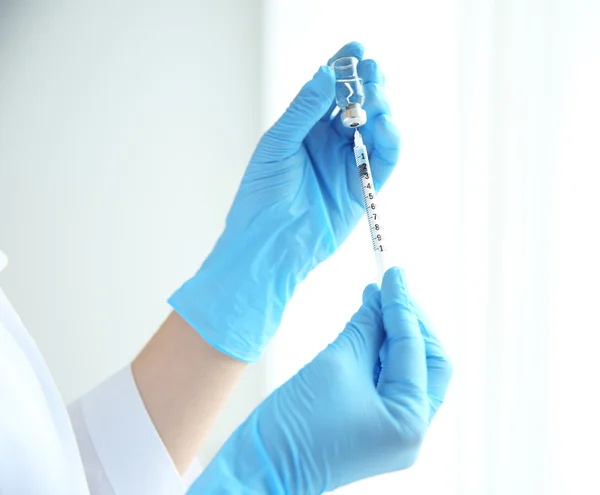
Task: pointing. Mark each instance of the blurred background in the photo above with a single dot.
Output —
(125, 128)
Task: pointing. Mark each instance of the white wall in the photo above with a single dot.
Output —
(124, 130)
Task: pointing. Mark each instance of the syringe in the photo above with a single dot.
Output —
(350, 97)
(371, 207)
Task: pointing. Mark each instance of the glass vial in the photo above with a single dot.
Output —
(349, 92)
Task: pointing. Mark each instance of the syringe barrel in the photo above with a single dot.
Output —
(372, 207)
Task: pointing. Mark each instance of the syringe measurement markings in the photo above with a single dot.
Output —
(372, 228)
(369, 199)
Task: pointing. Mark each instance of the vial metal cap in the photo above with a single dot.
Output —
(354, 115)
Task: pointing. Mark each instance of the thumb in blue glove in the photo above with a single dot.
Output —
(336, 421)
(298, 201)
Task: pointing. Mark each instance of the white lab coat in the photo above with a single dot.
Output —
(105, 444)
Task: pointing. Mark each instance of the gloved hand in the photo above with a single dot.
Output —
(298, 201)
(361, 408)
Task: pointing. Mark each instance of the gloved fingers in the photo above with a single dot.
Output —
(439, 373)
(439, 366)
(376, 101)
(371, 295)
(403, 378)
(369, 72)
(285, 137)
(352, 49)
(382, 139)
(363, 335)
(427, 329)
(368, 321)
(371, 291)
(376, 371)
(380, 134)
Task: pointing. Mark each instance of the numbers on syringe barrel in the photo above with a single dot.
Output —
(371, 206)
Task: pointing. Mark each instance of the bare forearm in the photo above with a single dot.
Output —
(184, 382)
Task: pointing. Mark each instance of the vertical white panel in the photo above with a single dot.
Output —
(124, 130)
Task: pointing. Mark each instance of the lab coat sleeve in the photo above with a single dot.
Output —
(121, 450)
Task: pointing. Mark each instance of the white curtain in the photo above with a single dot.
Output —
(494, 213)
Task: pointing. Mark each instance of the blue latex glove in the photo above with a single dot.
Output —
(337, 421)
(298, 201)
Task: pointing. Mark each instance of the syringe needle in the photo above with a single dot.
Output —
(357, 138)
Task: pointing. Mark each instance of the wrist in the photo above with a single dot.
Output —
(241, 466)
(287, 443)
(237, 298)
